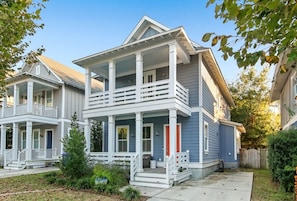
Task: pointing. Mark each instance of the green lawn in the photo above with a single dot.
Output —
(266, 190)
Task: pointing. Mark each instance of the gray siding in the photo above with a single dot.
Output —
(74, 102)
(190, 135)
(214, 140)
(208, 99)
(44, 72)
(187, 75)
(227, 143)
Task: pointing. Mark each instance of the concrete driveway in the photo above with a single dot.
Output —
(222, 186)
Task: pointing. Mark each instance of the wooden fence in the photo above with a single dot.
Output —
(254, 158)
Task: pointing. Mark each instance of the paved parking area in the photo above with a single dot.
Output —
(222, 186)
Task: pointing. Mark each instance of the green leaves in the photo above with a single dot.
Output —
(262, 26)
(18, 19)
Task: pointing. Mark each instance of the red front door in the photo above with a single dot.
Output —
(167, 140)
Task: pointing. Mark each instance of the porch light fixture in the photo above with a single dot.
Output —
(132, 134)
(157, 133)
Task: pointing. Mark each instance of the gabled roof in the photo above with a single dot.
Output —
(279, 79)
(68, 75)
(144, 24)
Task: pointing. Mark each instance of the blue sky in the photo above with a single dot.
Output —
(74, 29)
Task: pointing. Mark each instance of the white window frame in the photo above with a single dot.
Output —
(51, 98)
(23, 140)
(117, 137)
(205, 137)
(151, 125)
(37, 68)
(33, 139)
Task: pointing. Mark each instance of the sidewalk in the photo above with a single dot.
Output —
(12, 173)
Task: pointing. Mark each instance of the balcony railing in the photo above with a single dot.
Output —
(39, 110)
(148, 92)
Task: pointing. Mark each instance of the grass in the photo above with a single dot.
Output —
(34, 187)
(264, 189)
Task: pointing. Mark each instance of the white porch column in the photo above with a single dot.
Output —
(111, 137)
(172, 129)
(111, 81)
(87, 135)
(29, 140)
(3, 139)
(138, 138)
(172, 70)
(16, 95)
(15, 137)
(4, 104)
(139, 75)
(29, 96)
(87, 87)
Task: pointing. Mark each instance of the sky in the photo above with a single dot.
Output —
(75, 29)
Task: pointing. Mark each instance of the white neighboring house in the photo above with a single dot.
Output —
(284, 90)
(37, 110)
(164, 104)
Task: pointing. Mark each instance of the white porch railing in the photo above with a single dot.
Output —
(122, 158)
(8, 156)
(182, 160)
(148, 92)
(134, 166)
(21, 156)
(170, 163)
(40, 110)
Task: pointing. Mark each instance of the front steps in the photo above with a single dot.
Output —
(14, 165)
(151, 180)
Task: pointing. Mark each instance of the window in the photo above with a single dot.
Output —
(206, 137)
(23, 136)
(147, 138)
(37, 69)
(122, 138)
(49, 98)
(36, 134)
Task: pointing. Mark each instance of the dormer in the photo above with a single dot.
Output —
(145, 28)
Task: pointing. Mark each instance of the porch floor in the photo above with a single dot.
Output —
(158, 170)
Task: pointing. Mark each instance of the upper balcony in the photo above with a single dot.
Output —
(128, 95)
(22, 109)
(29, 97)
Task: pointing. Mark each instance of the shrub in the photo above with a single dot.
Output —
(100, 188)
(83, 183)
(282, 157)
(115, 175)
(112, 189)
(74, 162)
(131, 194)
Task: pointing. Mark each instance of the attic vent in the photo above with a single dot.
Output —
(37, 69)
(149, 32)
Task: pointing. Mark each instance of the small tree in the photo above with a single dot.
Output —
(74, 162)
(96, 136)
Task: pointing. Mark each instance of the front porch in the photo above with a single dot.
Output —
(40, 158)
(174, 170)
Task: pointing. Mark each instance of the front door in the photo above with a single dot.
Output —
(167, 139)
(49, 143)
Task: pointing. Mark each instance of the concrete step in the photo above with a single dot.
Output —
(149, 184)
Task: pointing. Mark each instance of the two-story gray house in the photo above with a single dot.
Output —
(37, 110)
(164, 96)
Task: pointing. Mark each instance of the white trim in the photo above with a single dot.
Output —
(151, 125)
(49, 69)
(200, 104)
(128, 135)
(52, 98)
(23, 139)
(235, 143)
(203, 165)
(205, 131)
(45, 138)
(38, 138)
(164, 138)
